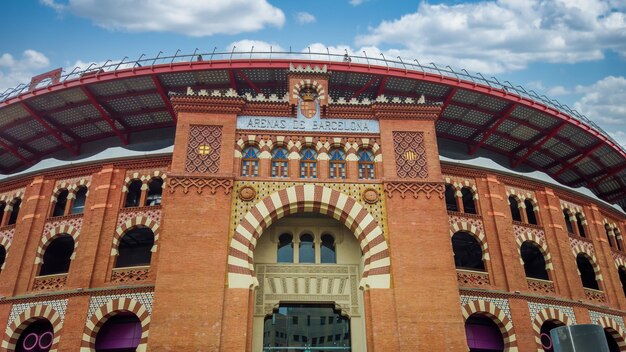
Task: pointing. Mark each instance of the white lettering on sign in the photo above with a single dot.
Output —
(314, 124)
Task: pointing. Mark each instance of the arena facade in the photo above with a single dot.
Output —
(326, 203)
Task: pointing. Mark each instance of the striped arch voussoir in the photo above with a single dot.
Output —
(619, 261)
(309, 198)
(543, 248)
(54, 233)
(578, 249)
(131, 223)
(4, 242)
(544, 315)
(613, 328)
(474, 231)
(34, 313)
(110, 309)
(503, 322)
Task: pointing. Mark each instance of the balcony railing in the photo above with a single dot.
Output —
(50, 282)
(130, 274)
(472, 278)
(595, 295)
(540, 286)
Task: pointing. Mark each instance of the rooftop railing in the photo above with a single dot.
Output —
(319, 58)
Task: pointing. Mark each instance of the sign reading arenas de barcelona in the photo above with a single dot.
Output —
(282, 204)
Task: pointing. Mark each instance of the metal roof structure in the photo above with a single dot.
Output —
(58, 114)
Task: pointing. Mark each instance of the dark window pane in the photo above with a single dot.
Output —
(451, 199)
(155, 192)
(530, 212)
(281, 330)
(622, 278)
(61, 203)
(328, 254)
(568, 222)
(120, 333)
(514, 205)
(546, 339)
(3, 255)
(587, 274)
(133, 195)
(534, 261)
(307, 249)
(468, 253)
(285, 248)
(78, 207)
(469, 205)
(15, 212)
(579, 223)
(56, 258)
(135, 248)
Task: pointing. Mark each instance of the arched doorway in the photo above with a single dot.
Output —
(544, 334)
(120, 333)
(308, 267)
(483, 335)
(37, 337)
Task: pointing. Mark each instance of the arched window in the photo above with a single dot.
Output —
(135, 248)
(568, 221)
(155, 192)
(587, 274)
(328, 254)
(133, 195)
(3, 207)
(579, 223)
(3, 256)
(468, 254)
(61, 203)
(514, 205)
(469, 206)
(337, 163)
(366, 165)
(37, 337)
(280, 162)
(250, 162)
(622, 278)
(121, 332)
(78, 206)
(308, 163)
(483, 335)
(607, 230)
(16, 210)
(285, 248)
(307, 249)
(534, 261)
(544, 334)
(610, 340)
(451, 198)
(57, 257)
(530, 212)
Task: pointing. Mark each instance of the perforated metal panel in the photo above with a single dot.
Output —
(122, 86)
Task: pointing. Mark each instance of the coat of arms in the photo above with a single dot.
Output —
(308, 103)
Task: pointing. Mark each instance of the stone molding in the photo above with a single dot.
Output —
(199, 183)
(414, 189)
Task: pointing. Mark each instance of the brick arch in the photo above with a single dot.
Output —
(463, 226)
(15, 328)
(50, 236)
(107, 311)
(537, 241)
(4, 242)
(490, 310)
(578, 249)
(619, 261)
(132, 223)
(309, 198)
(613, 328)
(545, 315)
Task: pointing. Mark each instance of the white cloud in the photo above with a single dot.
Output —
(603, 102)
(356, 2)
(558, 90)
(188, 17)
(246, 45)
(504, 35)
(14, 71)
(305, 18)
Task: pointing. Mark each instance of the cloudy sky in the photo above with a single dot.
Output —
(570, 50)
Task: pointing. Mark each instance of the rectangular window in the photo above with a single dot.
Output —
(250, 168)
(308, 169)
(279, 169)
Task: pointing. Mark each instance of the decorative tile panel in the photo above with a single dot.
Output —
(501, 303)
(75, 221)
(535, 308)
(153, 213)
(145, 298)
(203, 149)
(596, 316)
(59, 305)
(410, 154)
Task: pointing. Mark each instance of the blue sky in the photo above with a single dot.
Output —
(570, 50)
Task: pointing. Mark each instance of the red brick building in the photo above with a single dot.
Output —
(318, 204)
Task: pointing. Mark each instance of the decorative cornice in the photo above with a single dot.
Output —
(185, 183)
(308, 69)
(206, 103)
(395, 111)
(405, 188)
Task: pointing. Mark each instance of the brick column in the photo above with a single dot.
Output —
(565, 272)
(425, 296)
(99, 218)
(18, 273)
(521, 319)
(190, 287)
(74, 323)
